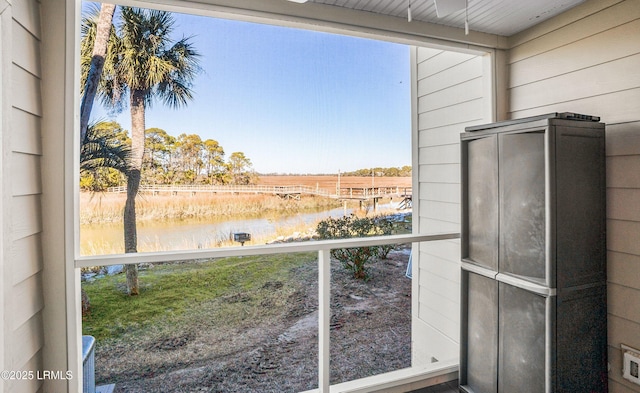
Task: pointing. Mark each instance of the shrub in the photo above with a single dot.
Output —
(385, 226)
(354, 259)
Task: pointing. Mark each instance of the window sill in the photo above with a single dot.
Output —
(401, 380)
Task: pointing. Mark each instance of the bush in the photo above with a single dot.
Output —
(354, 259)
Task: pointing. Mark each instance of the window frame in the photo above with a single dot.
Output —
(286, 15)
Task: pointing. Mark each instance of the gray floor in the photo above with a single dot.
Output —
(448, 387)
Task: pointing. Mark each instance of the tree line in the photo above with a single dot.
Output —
(185, 159)
(167, 159)
(404, 171)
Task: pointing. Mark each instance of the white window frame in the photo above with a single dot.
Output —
(287, 15)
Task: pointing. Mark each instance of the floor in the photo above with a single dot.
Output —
(447, 387)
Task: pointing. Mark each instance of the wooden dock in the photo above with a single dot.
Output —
(292, 192)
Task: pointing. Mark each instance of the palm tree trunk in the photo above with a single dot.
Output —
(130, 230)
(133, 184)
(103, 30)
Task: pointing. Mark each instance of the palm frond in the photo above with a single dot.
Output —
(103, 150)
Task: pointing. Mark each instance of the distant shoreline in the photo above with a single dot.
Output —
(330, 181)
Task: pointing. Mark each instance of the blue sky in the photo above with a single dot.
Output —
(293, 101)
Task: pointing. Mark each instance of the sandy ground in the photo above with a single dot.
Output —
(370, 334)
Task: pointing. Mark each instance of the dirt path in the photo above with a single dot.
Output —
(370, 334)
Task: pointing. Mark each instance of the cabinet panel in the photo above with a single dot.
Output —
(580, 196)
(522, 340)
(522, 205)
(482, 333)
(482, 204)
(581, 340)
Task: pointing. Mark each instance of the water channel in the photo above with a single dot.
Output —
(171, 235)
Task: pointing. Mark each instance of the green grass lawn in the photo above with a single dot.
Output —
(173, 294)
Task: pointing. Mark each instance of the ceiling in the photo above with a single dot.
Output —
(501, 17)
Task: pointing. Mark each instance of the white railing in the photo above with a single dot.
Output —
(322, 247)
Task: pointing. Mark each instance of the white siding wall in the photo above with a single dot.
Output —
(452, 93)
(21, 191)
(588, 61)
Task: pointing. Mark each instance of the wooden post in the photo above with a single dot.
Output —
(324, 318)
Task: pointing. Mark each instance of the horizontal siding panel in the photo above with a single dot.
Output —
(26, 257)
(623, 204)
(26, 218)
(27, 178)
(446, 249)
(28, 55)
(440, 192)
(26, 136)
(444, 173)
(427, 53)
(617, 107)
(430, 343)
(433, 283)
(445, 325)
(566, 36)
(26, 300)
(439, 304)
(463, 113)
(622, 236)
(441, 62)
(27, 14)
(622, 331)
(623, 269)
(445, 154)
(623, 139)
(458, 127)
(26, 91)
(29, 386)
(428, 225)
(623, 302)
(470, 69)
(593, 81)
(623, 172)
(26, 341)
(465, 91)
(442, 211)
(598, 49)
(442, 268)
(445, 135)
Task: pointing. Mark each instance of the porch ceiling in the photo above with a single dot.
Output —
(500, 17)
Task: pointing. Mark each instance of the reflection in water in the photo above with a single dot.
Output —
(96, 239)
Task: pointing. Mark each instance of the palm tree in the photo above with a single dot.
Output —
(101, 31)
(145, 65)
(101, 150)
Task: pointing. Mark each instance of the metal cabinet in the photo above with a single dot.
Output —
(534, 256)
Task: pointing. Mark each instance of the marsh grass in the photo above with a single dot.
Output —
(106, 208)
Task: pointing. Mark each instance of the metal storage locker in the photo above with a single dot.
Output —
(534, 256)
